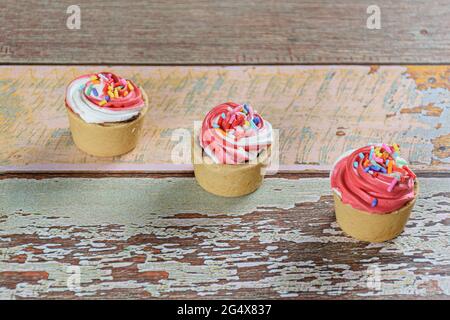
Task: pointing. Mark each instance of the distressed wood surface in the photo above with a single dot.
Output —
(145, 238)
(320, 112)
(225, 32)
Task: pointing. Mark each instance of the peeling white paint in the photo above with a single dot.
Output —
(56, 210)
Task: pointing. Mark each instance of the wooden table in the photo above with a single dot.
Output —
(139, 226)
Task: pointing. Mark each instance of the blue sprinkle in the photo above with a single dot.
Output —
(366, 169)
(245, 107)
(355, 164)
(94, 91)
(383, 170)
(256, 120)
(223, 115)
(107, 98)
(374, 202)
(215, 125)
(371, 153)
(375, 168)
(361, 155)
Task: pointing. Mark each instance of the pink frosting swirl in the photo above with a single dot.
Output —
(104, 97)
(233, 133)
(365, 182)
(123, 94)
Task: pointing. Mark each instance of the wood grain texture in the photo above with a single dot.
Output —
(145, 238)
(225, 32)
(320, 112)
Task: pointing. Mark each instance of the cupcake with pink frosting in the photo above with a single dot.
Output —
(106, 113)
(374, 192)
(231, 150)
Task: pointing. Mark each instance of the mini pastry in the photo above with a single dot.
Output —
(232, 150)
(374, 192)
(106, 113)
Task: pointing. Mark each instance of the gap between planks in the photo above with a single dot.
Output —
(185, 174)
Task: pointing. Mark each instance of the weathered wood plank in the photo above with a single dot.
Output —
(143, 238)
(225, 32)
(320, 111)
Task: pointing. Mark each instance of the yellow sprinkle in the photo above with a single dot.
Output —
(125, 93)
(102, 103)
(396, 148)
(247, 123)
(111, 94)
(130, 86)
(94, 78)
(378, 152)
(116, 93)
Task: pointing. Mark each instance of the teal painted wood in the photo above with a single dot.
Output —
(150, 238)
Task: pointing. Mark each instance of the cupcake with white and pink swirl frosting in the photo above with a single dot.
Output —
(234, 143)
(106, 113)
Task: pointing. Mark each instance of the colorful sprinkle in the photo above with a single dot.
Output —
(384, 160)
(396, 147)
(390, 164)
(392, 185)
(130, 86)
(375, 168)
(240, 120)
(374, 202)
(409, 172)
(378, 159)
(387, 148)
